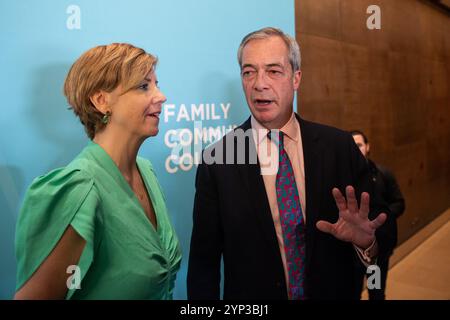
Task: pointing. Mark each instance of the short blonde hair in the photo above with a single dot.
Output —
(104, 68)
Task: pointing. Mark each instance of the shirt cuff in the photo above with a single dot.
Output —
(366, 256)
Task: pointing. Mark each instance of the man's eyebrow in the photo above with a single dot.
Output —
(274, 65)
(270, 65)
(148, 79)
(247, 65)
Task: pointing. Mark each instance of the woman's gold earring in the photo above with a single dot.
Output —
(106, 117)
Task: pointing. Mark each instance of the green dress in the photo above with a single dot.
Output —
(124, 256)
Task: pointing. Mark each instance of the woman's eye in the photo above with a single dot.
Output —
(143, 86)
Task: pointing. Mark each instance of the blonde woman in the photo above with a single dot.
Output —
(103, 217)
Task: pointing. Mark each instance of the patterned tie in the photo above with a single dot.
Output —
(292, 222)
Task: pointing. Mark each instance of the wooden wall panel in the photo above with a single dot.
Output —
(391, 83)
(326, 78)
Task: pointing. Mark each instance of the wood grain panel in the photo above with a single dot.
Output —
(392, 83)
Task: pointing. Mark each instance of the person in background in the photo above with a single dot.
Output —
(99, 227)
(387, 187)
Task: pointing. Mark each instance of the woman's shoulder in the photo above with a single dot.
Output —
(79, 171)
(59, 192)
(63, 178)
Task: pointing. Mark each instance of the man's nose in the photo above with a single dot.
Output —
(260, 81)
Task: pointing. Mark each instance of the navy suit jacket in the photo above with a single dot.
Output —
(232, 219)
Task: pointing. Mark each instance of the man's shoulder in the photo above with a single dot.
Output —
(243, 130)
(322, 131)
(235, 147)
(309, 131)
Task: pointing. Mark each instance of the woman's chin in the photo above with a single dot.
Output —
(153, 132)
(148, 133)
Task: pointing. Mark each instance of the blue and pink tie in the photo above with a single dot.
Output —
(292, 222)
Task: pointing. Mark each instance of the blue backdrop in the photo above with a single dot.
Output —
(196, 42)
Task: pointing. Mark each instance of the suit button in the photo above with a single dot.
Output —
(278, 284)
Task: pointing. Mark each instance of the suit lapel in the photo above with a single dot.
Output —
(254, 185)
(313, 181)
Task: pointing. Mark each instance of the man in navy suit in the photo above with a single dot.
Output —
(240, 216)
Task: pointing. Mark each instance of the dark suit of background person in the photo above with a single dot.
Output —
(386, 186)
(232, 219)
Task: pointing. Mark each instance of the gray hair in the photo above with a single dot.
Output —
(291, 43)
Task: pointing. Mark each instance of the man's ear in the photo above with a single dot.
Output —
(100, 101)
(296, 79)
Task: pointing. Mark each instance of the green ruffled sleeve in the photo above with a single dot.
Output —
(54, 201)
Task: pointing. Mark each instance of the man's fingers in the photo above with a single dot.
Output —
(326, 227)
(339, 199)
(364, 208)
(352, 204)
(378, 221)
